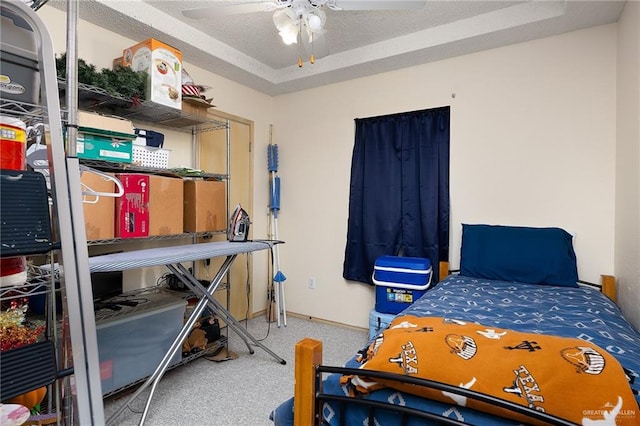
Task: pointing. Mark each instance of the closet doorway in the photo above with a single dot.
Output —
(211, 156)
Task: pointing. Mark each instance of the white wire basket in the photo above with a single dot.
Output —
(149, 156)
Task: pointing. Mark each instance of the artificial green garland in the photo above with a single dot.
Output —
(122, 81)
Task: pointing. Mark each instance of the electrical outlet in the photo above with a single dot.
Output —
(312, 283)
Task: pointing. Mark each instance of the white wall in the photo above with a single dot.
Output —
(627, 203)
(533, 139)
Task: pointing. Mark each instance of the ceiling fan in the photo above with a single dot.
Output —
(299, 21)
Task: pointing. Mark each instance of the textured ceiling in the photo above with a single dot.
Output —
(246, 48)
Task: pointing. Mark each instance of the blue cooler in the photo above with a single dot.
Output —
(378, 322)
(400, 281)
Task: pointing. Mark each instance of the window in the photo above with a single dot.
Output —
(399, 193)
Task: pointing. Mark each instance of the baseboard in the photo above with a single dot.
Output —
(307, 317)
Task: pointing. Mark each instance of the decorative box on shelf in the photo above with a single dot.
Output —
(163, 65)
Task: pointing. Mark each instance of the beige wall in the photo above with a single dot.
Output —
(627, 202)
(533, 139)
(533, 142)
(98, 46)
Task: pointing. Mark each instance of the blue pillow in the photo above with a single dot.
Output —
(521, 254)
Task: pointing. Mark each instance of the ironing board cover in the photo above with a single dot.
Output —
(171, 255)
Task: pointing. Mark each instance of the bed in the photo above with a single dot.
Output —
(517, 282)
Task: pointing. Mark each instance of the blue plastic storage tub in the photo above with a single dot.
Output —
(378, 321)
(400, 281)
(133, 340)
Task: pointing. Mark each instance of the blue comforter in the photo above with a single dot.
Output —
(582, 313)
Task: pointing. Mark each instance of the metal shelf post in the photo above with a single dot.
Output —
(68, 224)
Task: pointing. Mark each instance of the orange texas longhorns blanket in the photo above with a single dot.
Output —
(568, 378)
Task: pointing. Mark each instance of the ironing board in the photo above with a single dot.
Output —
(171, 258)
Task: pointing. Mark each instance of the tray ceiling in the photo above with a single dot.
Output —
(246, 48)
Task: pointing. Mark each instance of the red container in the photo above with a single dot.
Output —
(13, 271)
(13, 141)
(132, 209)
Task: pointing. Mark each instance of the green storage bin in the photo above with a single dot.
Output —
(96, 144)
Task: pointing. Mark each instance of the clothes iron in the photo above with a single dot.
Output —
(238, 225)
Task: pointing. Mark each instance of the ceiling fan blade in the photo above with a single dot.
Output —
(226, 8)
(380, 4)
(316, 44)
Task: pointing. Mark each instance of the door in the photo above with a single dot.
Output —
(211, 156)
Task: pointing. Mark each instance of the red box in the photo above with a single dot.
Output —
(132, 209)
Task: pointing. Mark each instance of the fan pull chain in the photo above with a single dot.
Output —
(312, 59)
(300, 42)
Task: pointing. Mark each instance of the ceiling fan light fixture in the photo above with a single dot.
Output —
(314, 21)
(280, 19)
(287, 26)
(300, 19)
(289, 35)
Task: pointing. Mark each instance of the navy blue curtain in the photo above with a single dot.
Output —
(399, 194)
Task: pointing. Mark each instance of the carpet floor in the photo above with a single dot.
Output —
(241, 391)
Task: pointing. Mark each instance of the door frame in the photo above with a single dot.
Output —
(245, 175)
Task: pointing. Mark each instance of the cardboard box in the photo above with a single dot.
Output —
(205, 206)
(132, 209)
(103, 122)
(95, 146)
(165, 198)
(117, 62)
(163, 64)
(99, 212)
(196, 109)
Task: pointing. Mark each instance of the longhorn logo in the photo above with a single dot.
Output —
(525, 386)
(491, 333)
(404, 324)
(407, 360)
(463, 346)
(585, 359)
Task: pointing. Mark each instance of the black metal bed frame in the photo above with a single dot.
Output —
(406, 413)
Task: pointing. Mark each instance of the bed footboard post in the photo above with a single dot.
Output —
(609, 286)
(443, 271)
(308, 356)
